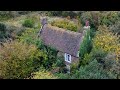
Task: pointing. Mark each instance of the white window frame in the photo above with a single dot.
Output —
(78, 53)
(66, 57)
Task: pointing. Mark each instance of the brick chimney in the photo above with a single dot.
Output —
(86, 25)
(43, 21)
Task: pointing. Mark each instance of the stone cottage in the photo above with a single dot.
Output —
(65, 41)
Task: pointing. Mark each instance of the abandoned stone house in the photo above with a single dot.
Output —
(65, 41)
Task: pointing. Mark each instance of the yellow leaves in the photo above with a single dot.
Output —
(107, 41)
(43, 74)
(65, 23)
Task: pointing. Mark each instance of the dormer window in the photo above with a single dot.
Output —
(67, 57)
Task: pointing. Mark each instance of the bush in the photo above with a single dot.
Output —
(106, 41)
(23, 12)
(5, 15)
(28, 23)
(55, 13)
(99, 55)
(2, 30)
(115, 28)
(86, 60)
(109, 18)
(60, 62)
(66, 24)
(69, 13)
(72, 14)
(92, 71)
(62, 75)
(43, 74)
(116, 69)
(18, 60)
(73, 67)
(30, 36)
(86, 45)
(93, 17)
(2, 27)
(51, 57)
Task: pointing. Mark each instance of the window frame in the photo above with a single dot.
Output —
(66, 57)
(78, 53)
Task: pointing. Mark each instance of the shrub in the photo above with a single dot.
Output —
(17, 60)
(5, 15)
(69, 13)
(66, 24)
(61, 64)
(86, 45)
(30, 36)
(23, 12)
(43, 74)
(93, 17)
(115, 28)
(73, 67)
(62, 75)
(99, 55)
(116, 69)
(86, 60)
(2, 27)
(55, 13)
(72, 14)
(109, 18)
(2, 30)
(51, 56)
(109, 61)
(28, 23)
(106, 41)
(92, 71)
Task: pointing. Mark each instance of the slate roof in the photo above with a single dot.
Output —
(63, 40)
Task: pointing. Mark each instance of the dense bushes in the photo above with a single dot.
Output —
(17, 60)
(72, 14)
(93, 71)
(28, 23)
(66, 24)
(30, 37)
(93, 17)
(86, 45)
(109, 18)
(2, 27)
(115, 28)
(2, 31)
(51, 56)
(107, 41)
(23, 12)
(43, 74)
(5, 15)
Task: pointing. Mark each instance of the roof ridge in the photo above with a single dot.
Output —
(66, 30)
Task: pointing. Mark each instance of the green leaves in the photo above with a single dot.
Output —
(28, 23)
(86, 45)
(66, 24)
(18, 59)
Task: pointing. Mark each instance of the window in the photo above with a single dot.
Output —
(67, 57)
(78, 53)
